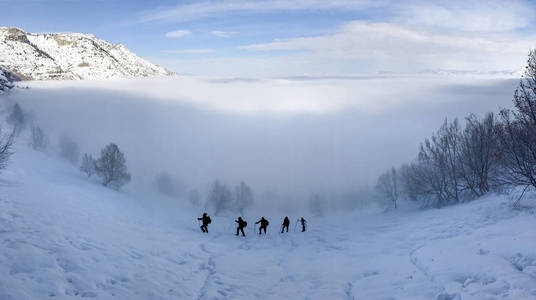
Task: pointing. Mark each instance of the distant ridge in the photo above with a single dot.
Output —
(62, 56)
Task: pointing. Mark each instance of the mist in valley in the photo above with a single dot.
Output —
(296, 142)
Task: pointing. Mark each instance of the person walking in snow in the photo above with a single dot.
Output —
(206, 220)
(303, 224)
(286, 223)
(264, 224)
(241, 225)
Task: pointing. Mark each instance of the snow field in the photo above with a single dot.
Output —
(63, 236)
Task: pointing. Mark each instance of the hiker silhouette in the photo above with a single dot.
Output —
(286, 223)
(206, 220)
(264, 224)
(303, 224)
(241, 225)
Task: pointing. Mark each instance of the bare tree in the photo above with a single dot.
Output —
(16, 119)
(38, 139)
(88, 165)
(69, 150)
(478, 166)
(387, 186)
(434, 179)
(438, 158)
(6, 143)
(517, 134)
(111, 166)
(243, 197)
(219, 197)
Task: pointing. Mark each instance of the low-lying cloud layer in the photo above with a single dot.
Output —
(286, 137)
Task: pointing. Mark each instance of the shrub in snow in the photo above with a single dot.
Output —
(517, 134)
(454, 165)
(243, 197)
(387, 186)
(16, 118)
(220, 197)
(88, 165)
(38, 139)
(477, 155)
(111, 167)
(69, 150)
(6, 143)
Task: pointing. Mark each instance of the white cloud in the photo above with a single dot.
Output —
(413, 36)
(178, 33)
(207, 8)
(189, 51)
(402, 48)
(223, 34)
(479, 16)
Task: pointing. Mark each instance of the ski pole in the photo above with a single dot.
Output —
(296, 225)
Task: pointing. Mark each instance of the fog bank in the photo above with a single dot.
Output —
(287, 138)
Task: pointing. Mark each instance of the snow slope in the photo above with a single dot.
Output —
(63, 236)
(6, 80)
(69, 56)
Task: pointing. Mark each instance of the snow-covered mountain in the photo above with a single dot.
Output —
(32, 56)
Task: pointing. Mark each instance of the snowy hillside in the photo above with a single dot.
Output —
(63, 236)
(6, 80)
(69, 56)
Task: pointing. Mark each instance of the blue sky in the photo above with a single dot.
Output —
(297, 37)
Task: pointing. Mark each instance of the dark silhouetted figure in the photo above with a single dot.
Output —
(206, 220)
(286, 223)
(241, 225)
(264, 224)
(303, 224)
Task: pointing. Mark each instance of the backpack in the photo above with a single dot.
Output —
(209, 220)
(267, 223)
(245, 223)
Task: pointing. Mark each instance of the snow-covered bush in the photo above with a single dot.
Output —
(243, 197)
(517, 134)
(6, 143)
(454, 165)
(220, 197)
(111, 167)
(38, 139)
(69, 149)
(88, 165)
(16, 118)
(387, 186)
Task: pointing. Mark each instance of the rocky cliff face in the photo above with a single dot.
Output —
(31, 56)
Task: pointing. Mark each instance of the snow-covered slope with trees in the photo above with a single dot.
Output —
(6, 80)
(33, 56)
(63, 236)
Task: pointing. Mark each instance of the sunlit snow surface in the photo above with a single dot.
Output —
(63, 236)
